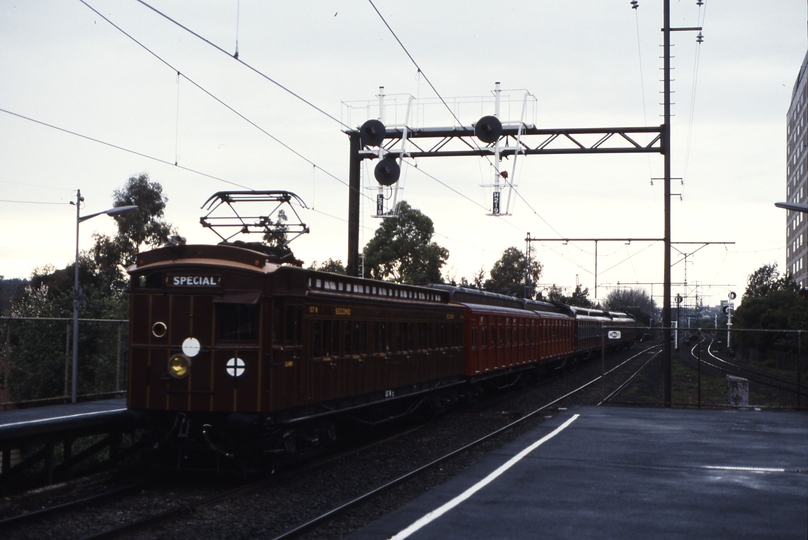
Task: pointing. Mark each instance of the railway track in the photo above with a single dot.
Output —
(300, 530)
(726, 366)
(387, 468)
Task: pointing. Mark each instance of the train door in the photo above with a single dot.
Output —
(283, 376)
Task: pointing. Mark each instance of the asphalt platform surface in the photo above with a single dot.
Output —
(627, 473)
(34, 421)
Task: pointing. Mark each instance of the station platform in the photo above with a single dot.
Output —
(39, 421)
(612, 472)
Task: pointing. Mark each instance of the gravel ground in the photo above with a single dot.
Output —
(308, 494)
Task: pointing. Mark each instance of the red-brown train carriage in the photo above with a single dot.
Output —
(222, 337)
(228, 348)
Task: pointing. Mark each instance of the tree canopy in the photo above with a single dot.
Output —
(579, 297)
(771, 302)
(402, 249)
(635, 302)
(508, 274)
(332, 266)
(766, 280)
(145, 227)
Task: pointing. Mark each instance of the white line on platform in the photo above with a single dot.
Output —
(435, 514)
(61, 417)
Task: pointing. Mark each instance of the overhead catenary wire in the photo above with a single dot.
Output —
(122, 148)
(218, 100)
(702, 15)
(245, 64)
(32, 202)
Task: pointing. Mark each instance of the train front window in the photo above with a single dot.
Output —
(152, 280)
(237, 322)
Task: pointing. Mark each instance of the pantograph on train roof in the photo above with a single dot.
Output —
(273, 224)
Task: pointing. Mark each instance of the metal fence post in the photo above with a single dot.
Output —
(118, 362)
(799, 366)
(699, 367)
(7, 364)
(602, 364)
(67, 358)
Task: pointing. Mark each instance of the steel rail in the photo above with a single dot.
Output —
(107, 496)
(798, 387)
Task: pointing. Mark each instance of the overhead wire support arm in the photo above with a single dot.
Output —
(595, 240)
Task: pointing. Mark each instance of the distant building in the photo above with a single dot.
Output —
(797, 177)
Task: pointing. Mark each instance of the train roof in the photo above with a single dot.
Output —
(313, 282)
(466, 295)
(204, 254)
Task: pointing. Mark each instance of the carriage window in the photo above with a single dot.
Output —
(277, 322)
(346, 336)
(356, 343)
(363, 336)
(153, 280)
(334, 341)
(293, 324)
(327, 345)
(237, 322)
(317, 339)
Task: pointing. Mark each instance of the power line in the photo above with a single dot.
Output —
(31, 202)
(248, 66)
(221, 102)
(117, 147)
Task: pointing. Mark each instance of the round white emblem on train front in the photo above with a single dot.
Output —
(235, 367)
(190, 347)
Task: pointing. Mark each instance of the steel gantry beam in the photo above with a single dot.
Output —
(518, 139)
(461, 142)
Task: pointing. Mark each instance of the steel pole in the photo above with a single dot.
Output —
(75, 366)
(666, 151)
(354, 187)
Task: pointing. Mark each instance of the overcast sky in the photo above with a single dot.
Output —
(312, 69)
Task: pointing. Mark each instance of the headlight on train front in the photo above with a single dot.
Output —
(179, 366)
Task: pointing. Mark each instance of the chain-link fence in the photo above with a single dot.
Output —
(724, 368)
(36, 359)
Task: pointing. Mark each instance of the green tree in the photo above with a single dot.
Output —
(402, 249)
(508, 273)
(635, 302)
(145, 227)
(332, 266)
(579, 297)
(36, 362)
(9, 290)
(771, 302)
(275, 235)
(767, 279)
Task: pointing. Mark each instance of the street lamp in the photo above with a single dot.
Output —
(76, 295)
(797, 207)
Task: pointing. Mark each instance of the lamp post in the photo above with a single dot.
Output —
(76, 295)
